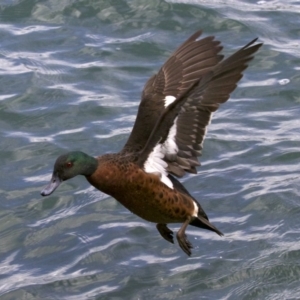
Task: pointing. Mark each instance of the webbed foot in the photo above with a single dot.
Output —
(183, 242)
(165, 232)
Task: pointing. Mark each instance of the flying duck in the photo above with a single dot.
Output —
(167, 137)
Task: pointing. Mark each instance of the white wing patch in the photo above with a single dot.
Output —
(155, 162)
(168, 100)
(169, 147)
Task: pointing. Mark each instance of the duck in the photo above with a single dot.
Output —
(167, 138)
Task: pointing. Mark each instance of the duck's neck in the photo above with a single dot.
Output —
(89, 165)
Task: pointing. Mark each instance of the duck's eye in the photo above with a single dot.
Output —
(68, 164)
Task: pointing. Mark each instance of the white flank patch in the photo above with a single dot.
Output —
(168, 100)
(196, 209)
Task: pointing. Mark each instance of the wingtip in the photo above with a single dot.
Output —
(197, 34)
(251, 43)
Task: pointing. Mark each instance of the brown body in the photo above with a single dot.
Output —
(140, 192)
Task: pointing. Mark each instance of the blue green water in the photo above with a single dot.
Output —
(71, 75)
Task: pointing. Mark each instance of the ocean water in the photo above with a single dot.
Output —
(71, 76)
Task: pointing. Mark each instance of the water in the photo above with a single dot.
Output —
(71, 74)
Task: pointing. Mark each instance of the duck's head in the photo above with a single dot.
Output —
(68, 166)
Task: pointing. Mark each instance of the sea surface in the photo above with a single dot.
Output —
(71, 76)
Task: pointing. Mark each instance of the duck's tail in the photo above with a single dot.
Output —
(202, 222)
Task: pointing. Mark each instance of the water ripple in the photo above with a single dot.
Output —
(27, 29)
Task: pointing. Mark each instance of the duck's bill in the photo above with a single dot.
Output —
(52, 186)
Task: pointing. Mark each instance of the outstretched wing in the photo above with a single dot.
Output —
(187, 64)
(177, 138)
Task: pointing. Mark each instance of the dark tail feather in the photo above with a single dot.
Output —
(201, 222)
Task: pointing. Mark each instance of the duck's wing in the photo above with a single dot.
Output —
(187, 64)
(177, 138)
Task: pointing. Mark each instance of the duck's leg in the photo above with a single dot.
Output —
(183, 242)
(165, 232)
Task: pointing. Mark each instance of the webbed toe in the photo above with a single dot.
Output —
(165, 232)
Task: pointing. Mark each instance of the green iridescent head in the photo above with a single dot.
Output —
(68, 166)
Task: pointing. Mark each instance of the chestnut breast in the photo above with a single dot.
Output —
(140, 192)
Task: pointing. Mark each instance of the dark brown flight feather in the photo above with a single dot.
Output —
(185, 66)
